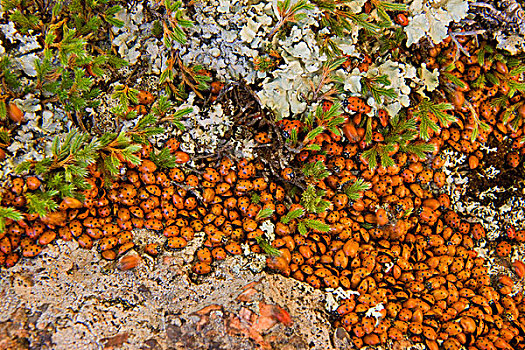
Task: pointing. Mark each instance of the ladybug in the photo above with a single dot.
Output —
(346, 307)
(231, 177)
(147, 166)
(303, 156)
(383, 116)
(253, 210)
(426, 176)
(429, 333)
(243, 203)
(262, 138)
(477, 231)
(484, 343)
(279, 194)
(519, 268)
(33, 183)
(408, 176)
(223, 187)
(197, 225)
(124, 237)
(107, 243)
(181, 157)
(359, 331)
(168, 211)
(333, 149)
(510, 232)
(187, 232)
(152, 249)
(225, 166)
(171, 231)
(349, 151)
(402, 19)
(17, 185)
(340, 201)
(181, 222)
(318, 158)
(129, 262)
(259, 184)
(368, 324)
(46, 237)
(218, 253)
(176, 175)
(85, 241)
(520, 236)
(37, 229)
(288, 126)
(201, 268)
(94, 233)
(133, 177)
(147, 205)
(452, 344)
(244, 185)
(64, 234)
(172, 144)
(177, 201)
(455, 134)
(381, 217)
(513, 159)
(190, 203)
(192, 181)
(155, 214)
(11, 259)
(153, 224)
(145, 97)
(326, 105)
(246, 172)
(147, 178)
(415, 328)
(211, 175)
(153, 190)
(249, 225)
(288, 174)
(464, 227)
(355, 104)
(215, 88)
(176, 243)
(347, 64)
(233, 248)
(363, 67)
(204, 255)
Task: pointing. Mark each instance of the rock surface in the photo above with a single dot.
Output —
(67, 298)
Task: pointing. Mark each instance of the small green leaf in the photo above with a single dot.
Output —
(267, 247)
(301, 227)
(312, 147)
(313, 133)
(294, 214)
(354, 190)
(264, 213)
(317, 225)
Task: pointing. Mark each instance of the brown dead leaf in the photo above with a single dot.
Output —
(276, 312)
(247, 295)
(264, 323)
(207, 309)
(116, 341)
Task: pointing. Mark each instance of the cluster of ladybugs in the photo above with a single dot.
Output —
(399, 245)
(483, 94)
